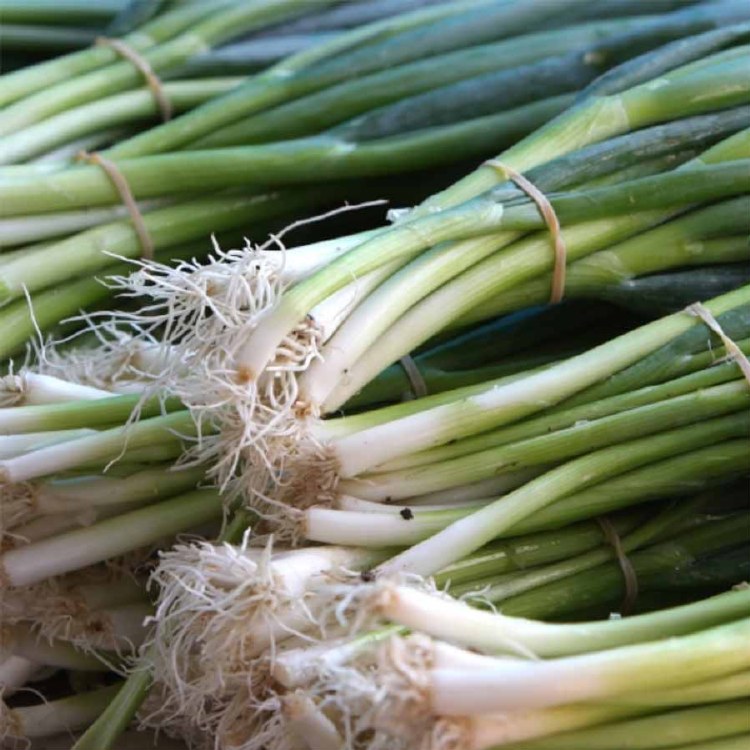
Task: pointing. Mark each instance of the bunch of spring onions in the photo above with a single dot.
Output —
(674, 421)
(372, 491)
(306, 618)
(434, 85)
(260, 345)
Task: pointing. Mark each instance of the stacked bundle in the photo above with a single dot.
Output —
(430, 87)
(558, 463)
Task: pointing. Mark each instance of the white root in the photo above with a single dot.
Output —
(308, 724)
(202, 314)
(225, 613)
(121, 362)
(15, 672)
(255, 429)
(17, 507)
(62, 609)
(11, 726)
(28, 388)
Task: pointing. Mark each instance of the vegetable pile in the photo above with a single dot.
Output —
(280, 470)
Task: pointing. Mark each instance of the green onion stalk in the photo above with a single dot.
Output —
(59, 289)
(609, 674)
(110, 491)
(98, 609)
(222, 581)
(698, 727)
(204, 28)
(371, 48)
(209, 27)
(503, 346)
(500, 270)
(378, 265)
(412, 151)
(445, 469)
(28, 81)
(331, 669)
(630, 110)
(28, 509)
(398, 84)
(700, 237)
(74, 550)
(119, 110)
(689, 658)
(385, 43)
(484, 66)
(324, 434)
(52, 718)
(99, 234)
(643, 295)
(284, 163)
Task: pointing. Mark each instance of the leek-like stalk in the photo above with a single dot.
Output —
(59, 716)
(669, 663)
(371, 447)
(115, 536)
(499, 634)
(686, 728)
(470, 533)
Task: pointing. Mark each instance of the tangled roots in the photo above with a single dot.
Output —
(17, 506)
(12, 390)
(184, 340)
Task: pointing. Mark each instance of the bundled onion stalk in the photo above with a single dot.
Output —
(306, 618)
(263, 402)
(369, 102)
(697, 418)
(491, 488)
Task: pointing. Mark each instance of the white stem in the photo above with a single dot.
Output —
(498, 729)
(409, 484)
(334, 310)
(480, 491)
(499, 405)
(376, 529)
(469, 533)
(17, 231)
(23, 643)
(52, 525)
(303, 261)
(16, 445)
(669, 663)
(442, 617)
(384, 307)
(109, 538)
(446, 656)
(64, 715)
(15, 672)
(50, 460)
(59, 496)
(151, 434)
(349, 503)
(46, 389)
(309, 724)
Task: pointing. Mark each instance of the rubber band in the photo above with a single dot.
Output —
(152, 80)
(733, 351)
(416, 381)
(628, 571)
(553, 224)
(126, 195)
